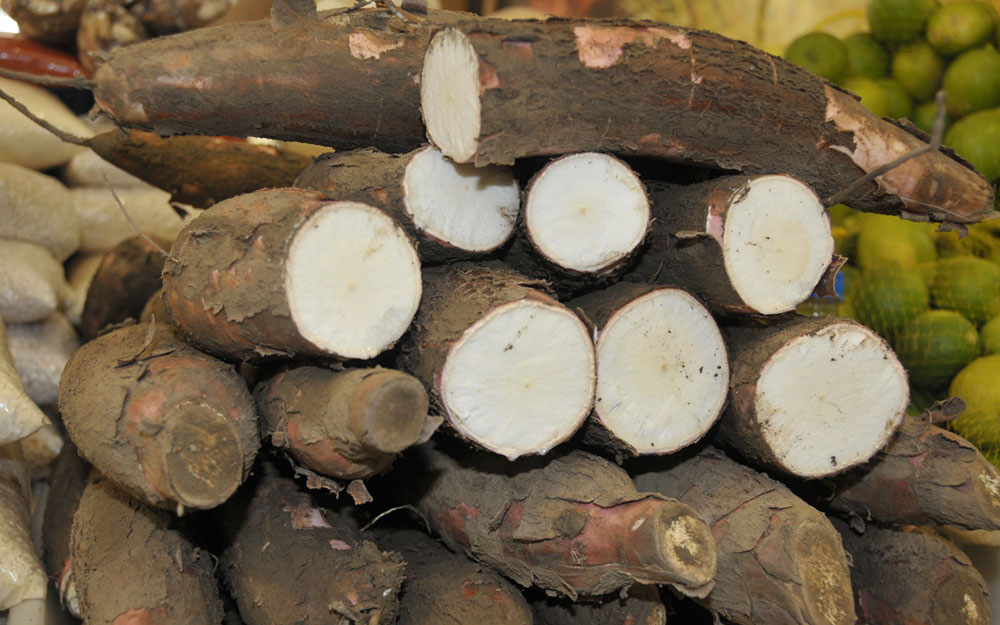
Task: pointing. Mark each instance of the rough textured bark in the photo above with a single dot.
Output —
(444, 587)
(226, 284)
(780, 560)
(688, 238)
(126, 278)
(131, 564)
(640, 88)
(346, 424)
(393, 183)
(66, 485)
(913, 576)
(277, 81)
(276, 533)
(164, 421)
(573, 525)
(642, 606)
(787, 410)
(199, 170)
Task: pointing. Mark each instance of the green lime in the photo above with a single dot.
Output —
(924, 114)
(918, 69)
(900, 104)
(865, 56)
(989, 335)
(976, 138)
(887, 240)
(959, 26)
(897, 21)
(968, 285)
(840, 212)
(977, 385)
(886, 298)
(972, 81)
(872, 94)
(935, 345)
(820, 53)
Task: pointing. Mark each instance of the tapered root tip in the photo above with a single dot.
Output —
(395, 411)
(203, 457)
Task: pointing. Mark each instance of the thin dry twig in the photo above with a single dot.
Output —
(49, 81)
(62, 134)
(378, 517)
(121, 207)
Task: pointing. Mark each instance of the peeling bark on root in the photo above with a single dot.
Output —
(780, 560)
(744, 244)
(453, 212)
(344, 424)
(493, 91)
(574, 525)
(662, 369)
(642, 606)
(283, 272)
(512, 369)
(165, 422)
(132, 565)
(924, 476)
(444, 587)
(276, 533)
(788, 409)
(66, 485)
(913, 576)
(126, 278)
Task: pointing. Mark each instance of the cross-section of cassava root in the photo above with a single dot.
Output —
(346, 424)
(452, 211)
(662, 368)
(494, 91)
(574, 525)
(512, 369)
(787, 407)
(780, 560)
(276, 533)
(165, 422)
(744, 244)
(283, 272)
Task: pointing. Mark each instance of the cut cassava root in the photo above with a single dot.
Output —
(283, 272)
(744, 244)
(452, 211)
(511, 368)
(346, 424)
(788, 410)
(662, 368)
(493, 91)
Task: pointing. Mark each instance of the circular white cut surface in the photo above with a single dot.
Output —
(521, 379)
(586, 211)
(777, 243)
(449, 94)
(662, 372)
(353, 280)
(471, 208)
(830, 400)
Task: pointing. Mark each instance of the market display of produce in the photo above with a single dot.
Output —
(539, 300)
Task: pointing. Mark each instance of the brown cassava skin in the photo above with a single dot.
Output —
(444, 587)
(171, 425)
(780, 560)
(345, 424)
(276, 81)
(925, 476)
(276, 533)
(376, 178)
(66, 485)
(199, 170)
(154, 309)
(645, 89)
(642, 606)
(684, 245)
(912, 576)
(126, 278)
(564, 524)
(132, 565)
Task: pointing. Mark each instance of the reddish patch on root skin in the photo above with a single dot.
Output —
(600, 47)
(142, 616)
(488, 78)
(319, 454)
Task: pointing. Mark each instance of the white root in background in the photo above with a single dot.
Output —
(40, 351)
(41, 448)
(24, 142)
(32, 284)
(19, 416)
(80, 271)
(37, 208)
(104, 225)
(22, 577)
(87, 169)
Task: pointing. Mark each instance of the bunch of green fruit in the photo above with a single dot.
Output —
(913, 49)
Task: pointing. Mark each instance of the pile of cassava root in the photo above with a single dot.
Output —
(559, 339)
